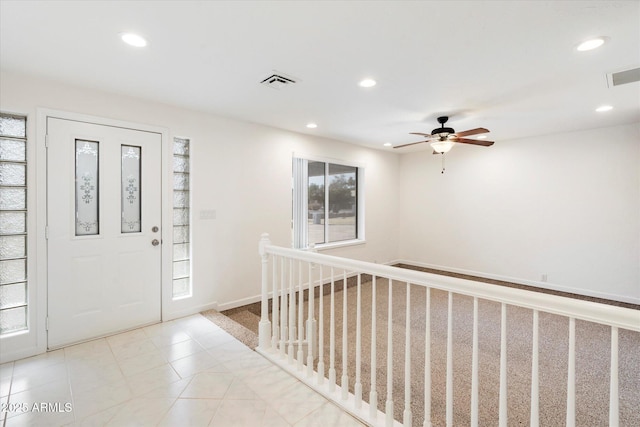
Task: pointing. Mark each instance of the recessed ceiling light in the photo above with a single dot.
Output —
(312, 125)
(591, 44)
(387, 144)
(482, 137)
(367, 83)
(133, 39)
(603, 108)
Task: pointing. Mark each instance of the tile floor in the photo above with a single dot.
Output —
(187, 372)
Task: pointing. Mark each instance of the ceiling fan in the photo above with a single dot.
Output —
(442, 139)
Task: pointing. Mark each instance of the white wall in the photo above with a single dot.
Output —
(240, 170)
(567, 206)
(564, 205)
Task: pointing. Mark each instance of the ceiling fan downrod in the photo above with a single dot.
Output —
(443, 130)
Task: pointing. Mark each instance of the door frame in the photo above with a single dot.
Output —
(38, 303)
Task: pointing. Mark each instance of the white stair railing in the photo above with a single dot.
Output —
(295, 348)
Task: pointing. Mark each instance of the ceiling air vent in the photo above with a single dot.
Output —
(623, 77)
(278, 81)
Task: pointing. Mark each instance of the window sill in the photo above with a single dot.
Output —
(341, 244)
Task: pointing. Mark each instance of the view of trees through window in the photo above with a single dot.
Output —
(332, 211)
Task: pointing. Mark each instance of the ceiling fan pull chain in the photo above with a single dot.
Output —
(442, 154)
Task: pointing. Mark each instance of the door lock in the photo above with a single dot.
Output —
(155, 242)
(155, 229)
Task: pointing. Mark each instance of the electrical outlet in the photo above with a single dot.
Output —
(208, 214)
(544, 277)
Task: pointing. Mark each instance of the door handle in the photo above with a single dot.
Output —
(155, 242)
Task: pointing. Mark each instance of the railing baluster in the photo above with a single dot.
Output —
(427, 361)
(332, 336)
(614, 404)
(502, 420)
(571, 375)
(300, 356)
(283, 309)
(274, 306)
(345, 339)
(373, 394)
(321, 330)
(311, 322)
(357, 388)
(389, 402)
(292, 313)
(449, 388)
(474, 366)
(535, 390)
(407, 416)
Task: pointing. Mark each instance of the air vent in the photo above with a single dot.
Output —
(278, 81)
(624, 77)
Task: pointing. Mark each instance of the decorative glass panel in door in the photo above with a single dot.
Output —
(87, 201)
(130, 177)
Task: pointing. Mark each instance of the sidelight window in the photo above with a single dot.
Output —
(13, 223)
(181, 219)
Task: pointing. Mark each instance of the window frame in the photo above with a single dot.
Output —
(300, 208)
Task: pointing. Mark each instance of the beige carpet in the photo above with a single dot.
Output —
(592, 362)
(243, 334)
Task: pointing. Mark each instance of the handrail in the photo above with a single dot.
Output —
(610, 315)
(291, 341)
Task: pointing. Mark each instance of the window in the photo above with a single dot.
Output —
(181, 220)
(13, 223)
(326, 203)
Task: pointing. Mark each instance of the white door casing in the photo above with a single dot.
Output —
(110, 279)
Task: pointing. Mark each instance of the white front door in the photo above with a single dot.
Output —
(104, 217)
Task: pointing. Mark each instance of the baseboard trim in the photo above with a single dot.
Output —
(189, 311)
(240, 302)
(519, 281)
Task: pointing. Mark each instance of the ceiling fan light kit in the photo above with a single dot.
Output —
(442, 139)
(442, 146)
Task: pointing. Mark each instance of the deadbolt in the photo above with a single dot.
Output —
(155, 229)
(155, 242)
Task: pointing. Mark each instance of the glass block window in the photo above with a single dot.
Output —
(13, 223)
(181, 211)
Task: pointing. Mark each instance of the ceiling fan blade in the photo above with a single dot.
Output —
(421, 134)
(470, 132)
(482, 142)
(406, 145)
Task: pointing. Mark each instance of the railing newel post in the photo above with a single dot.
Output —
(264, 330)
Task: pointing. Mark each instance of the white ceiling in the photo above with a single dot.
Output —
(509, 66)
